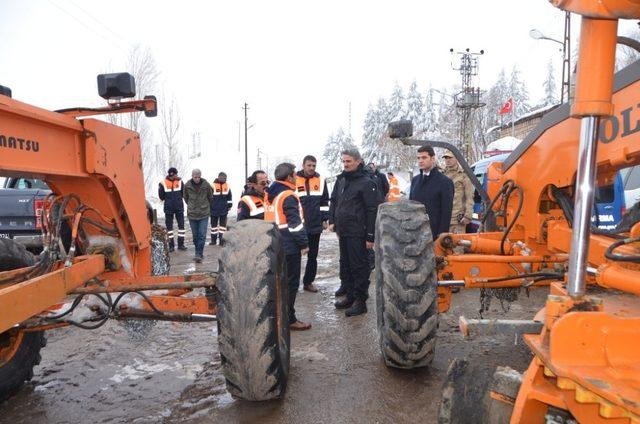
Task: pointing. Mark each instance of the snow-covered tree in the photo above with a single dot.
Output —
(518, 91)
(428, 121)
(495, 98)
(333, 148)
(625, 56)
(396, 108)
(415, 112)
(549, 85)
(370, 136)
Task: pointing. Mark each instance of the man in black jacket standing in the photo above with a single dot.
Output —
(352, 215)
(434, 190)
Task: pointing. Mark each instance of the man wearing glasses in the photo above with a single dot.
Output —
(251, 205)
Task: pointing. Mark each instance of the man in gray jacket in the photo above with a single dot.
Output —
(198, 195)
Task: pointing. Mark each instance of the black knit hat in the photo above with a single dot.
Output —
(172, 170)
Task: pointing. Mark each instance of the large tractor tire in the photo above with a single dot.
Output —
(19, 351)
(406, 285)
(253, 325)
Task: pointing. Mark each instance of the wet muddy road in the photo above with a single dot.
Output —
(174, 374)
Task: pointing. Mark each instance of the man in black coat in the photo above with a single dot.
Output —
(352, 215)
(380, 179)
(434, 190)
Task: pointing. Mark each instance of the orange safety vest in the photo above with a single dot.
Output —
(254, 203)
(274, 212)
(220, 189)
(394, 189)
(175, 185)
(316, 186)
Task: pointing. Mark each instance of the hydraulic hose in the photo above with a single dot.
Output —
(609, 254)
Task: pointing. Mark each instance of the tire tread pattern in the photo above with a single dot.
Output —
(406, 292)
(19, 368)
(253, 343)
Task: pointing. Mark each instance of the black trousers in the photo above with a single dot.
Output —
(354, 267)
(312, 259)
(293, 282)
(168, 218)
(218, 227)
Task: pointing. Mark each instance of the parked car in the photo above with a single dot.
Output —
(610, 203)
(21, 202)
(631, 182)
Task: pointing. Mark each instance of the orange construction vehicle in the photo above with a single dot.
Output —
(585, 342)
(103, 257)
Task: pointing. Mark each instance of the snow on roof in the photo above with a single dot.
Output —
(504, 144)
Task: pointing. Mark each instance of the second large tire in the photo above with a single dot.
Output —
(253, 325)
(406, 285)
(19, 351)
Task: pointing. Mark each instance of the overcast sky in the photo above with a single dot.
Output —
(298, 64)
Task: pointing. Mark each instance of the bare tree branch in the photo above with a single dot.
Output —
(142, 65)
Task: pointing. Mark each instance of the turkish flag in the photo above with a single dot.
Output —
(507, 107)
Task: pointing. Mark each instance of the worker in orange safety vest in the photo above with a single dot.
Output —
(251, 205)
(394, 188)
(283, 208)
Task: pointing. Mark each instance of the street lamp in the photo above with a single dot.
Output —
(566, 54)
(538, 35)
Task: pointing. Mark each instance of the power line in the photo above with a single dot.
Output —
(97, 20)
(75, 18)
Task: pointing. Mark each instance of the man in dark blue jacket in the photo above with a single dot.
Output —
(314, 196)
(171, 192)
(434, 190)
(352, 215)
(220, 206)
(283, 208)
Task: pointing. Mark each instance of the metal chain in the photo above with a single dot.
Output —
(505, 295)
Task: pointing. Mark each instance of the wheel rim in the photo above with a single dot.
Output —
(9, 343)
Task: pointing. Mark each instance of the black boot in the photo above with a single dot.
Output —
(171, 246)
(343, 303)
(341, 291)
(359, 307)
(214, 238)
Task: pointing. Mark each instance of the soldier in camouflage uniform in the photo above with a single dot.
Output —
(462, 196)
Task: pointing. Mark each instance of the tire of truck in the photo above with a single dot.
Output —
(253, 324)
(139, 329)
(19, 350)
(493, 366)
(406, 285)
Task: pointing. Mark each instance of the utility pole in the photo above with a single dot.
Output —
(566, 58)
(468, 99)
(565, 87)
(246, 144)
